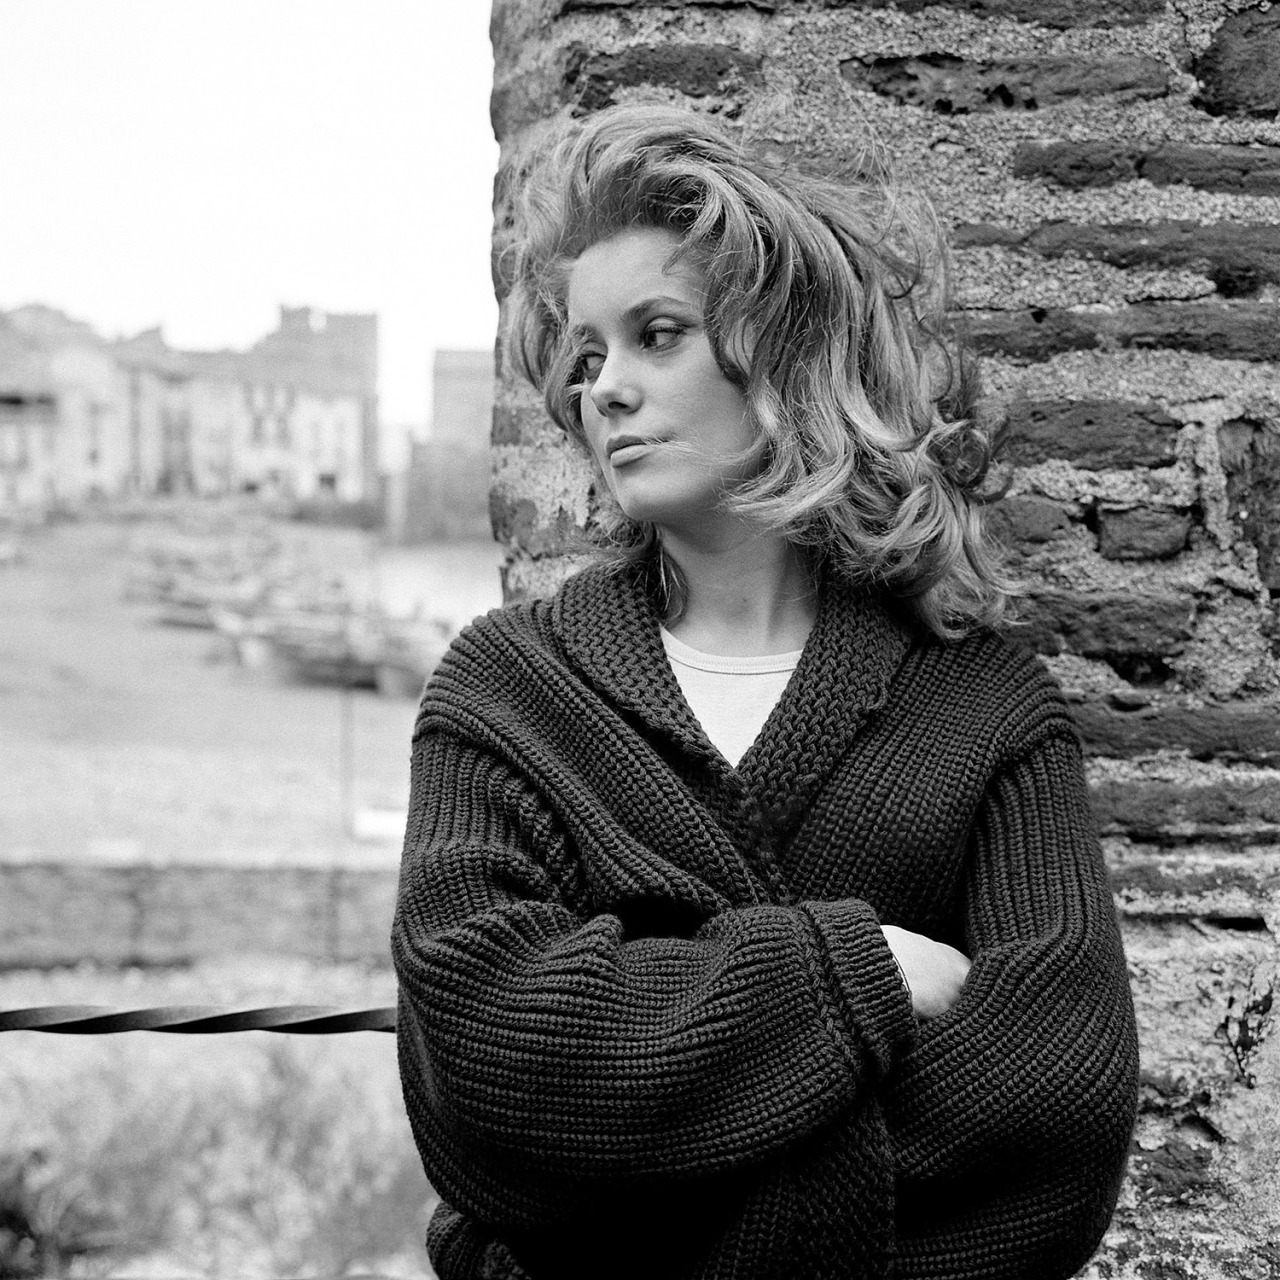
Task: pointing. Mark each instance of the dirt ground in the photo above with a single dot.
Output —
(123, 739)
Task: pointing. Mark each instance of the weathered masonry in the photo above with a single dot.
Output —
(1109, 171)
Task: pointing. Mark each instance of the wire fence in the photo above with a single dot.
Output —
(97, 1020)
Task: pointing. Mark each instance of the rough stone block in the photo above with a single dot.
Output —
(579, 6)
(1142, 533)
(1251, 459)
(1249, 171)
(1061, 14)
(1238, 257)
(1027, 519)
(508, 425)
(1179, 1245)
(1200, 881)
(1105, 624)
(950, 85)
(539, 497)
(524, 578)
(518, 522)
(1239, 72)
(1226, 330)
(1238, 807)
(592, 79)
(1253, 171)
(1245, 731)
(1200, 1199)
(1098, 163)
(1046, 13)
(1095, 435)
(1190, 982)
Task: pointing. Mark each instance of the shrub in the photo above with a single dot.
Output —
(246, 1155)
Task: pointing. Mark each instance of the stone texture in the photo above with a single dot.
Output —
(1193, 975)
(581, 6)
(1250, 456)
(592, 80)
(519, 522)
(1095, 435)
(539, 496)
(1046, 13)
(1137, 1249)
(508, 425)
(1200, 1199)
(1104, 624)
(1248, 171)
(1251, 171)
(1025, 519)
(530, 579)
(1238, 257)
(1239, 73)
(1061, 14)
(172, 915)
(1231, 331)
(1175, 879)
(1100, 163)
(1239, 807)
(1247, 731)
(1142, 533)
(951, 85)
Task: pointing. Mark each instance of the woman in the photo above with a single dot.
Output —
(751, 920)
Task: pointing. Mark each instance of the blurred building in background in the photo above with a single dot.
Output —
(444, 492)
(83, 418)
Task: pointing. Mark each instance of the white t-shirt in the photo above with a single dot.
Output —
(731, 697)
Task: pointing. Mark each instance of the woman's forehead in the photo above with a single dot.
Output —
(616, 274)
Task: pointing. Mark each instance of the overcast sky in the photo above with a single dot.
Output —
(194, 164)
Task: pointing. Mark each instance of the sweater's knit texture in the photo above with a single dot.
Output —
(650, 1026)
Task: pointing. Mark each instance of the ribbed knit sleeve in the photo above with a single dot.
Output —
(545, 1051)
(1027, 1087)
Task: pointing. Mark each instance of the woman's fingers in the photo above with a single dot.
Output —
(934, 971)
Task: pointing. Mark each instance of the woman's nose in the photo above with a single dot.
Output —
(614, 389)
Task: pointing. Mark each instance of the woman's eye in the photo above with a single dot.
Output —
(658, 336)
(589, 363)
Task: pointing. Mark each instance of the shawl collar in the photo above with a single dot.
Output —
(610, 631)
(849, 661)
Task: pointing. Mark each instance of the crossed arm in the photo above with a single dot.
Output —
(544, 1050)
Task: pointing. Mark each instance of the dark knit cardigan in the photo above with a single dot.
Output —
(649, 1024)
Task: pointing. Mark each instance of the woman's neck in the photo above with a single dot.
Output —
(744, 597)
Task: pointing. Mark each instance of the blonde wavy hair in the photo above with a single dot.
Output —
(823, 303)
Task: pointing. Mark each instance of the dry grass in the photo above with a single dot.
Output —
(239, 1155)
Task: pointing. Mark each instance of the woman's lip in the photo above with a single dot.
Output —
(628, 450)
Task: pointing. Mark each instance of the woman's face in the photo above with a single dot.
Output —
(665, 426)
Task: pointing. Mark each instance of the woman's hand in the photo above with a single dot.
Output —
(934, 971)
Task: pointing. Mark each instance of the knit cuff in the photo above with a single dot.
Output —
(865, 980)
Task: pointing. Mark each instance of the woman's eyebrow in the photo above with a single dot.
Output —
(656, 303)
(636, 312)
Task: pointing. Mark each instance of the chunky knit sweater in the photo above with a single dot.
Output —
(649, 1023)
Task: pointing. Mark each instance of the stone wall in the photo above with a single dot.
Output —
(1109, 171)
(120, 914)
